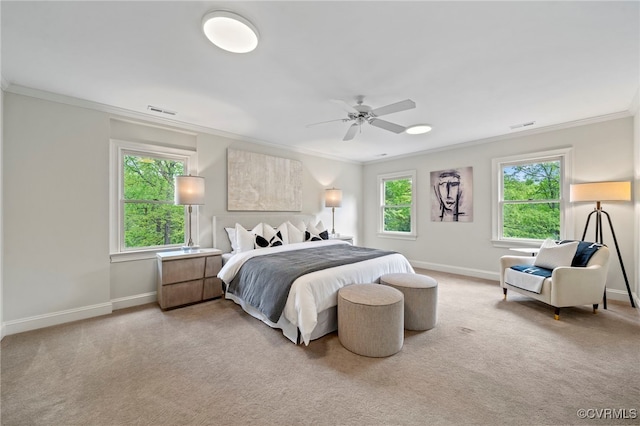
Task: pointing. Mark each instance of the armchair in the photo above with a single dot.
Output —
(568, 285)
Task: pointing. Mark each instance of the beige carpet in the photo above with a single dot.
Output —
(487, 362)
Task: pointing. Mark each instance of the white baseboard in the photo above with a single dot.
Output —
(61, 317)
(55, 318)
(47, 320)
(477, 273)
(138, 299)
(621, 295)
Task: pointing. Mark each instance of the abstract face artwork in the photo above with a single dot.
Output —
(452, 199)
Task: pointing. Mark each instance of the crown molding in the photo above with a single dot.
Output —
(161, 121)
(512, 135)
(188, 127)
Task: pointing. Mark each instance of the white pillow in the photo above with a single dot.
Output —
(553, 255)
(231, 232)
(295, 233)
(246, 239)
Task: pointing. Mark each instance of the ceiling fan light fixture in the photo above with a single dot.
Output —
(230, 31)
(418, 129)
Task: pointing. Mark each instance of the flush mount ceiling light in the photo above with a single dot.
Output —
(418, 129)
(230, 31)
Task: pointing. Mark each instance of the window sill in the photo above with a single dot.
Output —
(130, 256)
(411, 237)
(516, 243)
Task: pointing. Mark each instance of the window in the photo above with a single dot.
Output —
(397, 204)
(529, 196)
(144, 216)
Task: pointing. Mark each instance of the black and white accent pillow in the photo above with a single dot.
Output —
(308, 236)
(316, 233)
(276, 240)
(262, 242)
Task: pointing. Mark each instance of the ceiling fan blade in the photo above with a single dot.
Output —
(344, 105)
(328, 121)
(397, 107)
(392, 127)
(351, 133)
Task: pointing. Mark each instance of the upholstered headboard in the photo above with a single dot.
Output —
(249, 220)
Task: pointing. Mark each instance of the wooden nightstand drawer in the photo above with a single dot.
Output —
(213, 266)
(182, 270)
(212, 288)
(188, 277)
(181, 293)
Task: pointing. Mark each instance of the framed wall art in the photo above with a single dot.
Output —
(452, 195)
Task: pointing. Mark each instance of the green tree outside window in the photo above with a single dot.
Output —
(531, 200)
(398, 195)
(150, 217)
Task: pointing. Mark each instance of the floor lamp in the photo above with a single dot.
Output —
(189, 191)
(333, 199)
(603, 191)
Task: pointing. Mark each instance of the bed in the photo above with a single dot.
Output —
(309, 310)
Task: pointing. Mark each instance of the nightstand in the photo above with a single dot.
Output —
(188, 277)
(347, 238)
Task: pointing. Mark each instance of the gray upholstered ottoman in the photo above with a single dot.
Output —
(371, 319)
(420, 299)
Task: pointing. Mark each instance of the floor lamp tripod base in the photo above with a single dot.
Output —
(599, 212)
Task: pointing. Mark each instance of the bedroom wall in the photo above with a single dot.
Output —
(601, 151)
(56, 210)
(134, 282)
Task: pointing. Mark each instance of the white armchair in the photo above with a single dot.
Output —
(567, 286)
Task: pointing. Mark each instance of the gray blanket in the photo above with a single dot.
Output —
(264, 281)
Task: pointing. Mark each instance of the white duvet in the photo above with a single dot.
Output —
(314, 292)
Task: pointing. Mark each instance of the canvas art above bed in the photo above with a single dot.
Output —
(259, 182)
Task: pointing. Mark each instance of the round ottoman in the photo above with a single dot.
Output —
(420, 299)
(371, 319)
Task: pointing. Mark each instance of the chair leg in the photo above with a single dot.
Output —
(595, 308)
(556, 314)
(504, 290)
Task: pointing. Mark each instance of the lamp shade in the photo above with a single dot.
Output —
(333, 197)
(600, 191)
(189, 190)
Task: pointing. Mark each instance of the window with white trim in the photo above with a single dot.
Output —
(397, 214)
(143, 214)
(530, 199)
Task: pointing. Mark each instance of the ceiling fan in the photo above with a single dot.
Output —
(361, 114)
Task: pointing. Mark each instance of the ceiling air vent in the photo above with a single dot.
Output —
(160, 110)
(519, 126)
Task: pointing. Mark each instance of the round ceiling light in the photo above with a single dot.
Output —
(230, 31)
(418, 129)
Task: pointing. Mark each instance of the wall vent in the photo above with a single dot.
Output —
(160, 110)
(518, 126)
